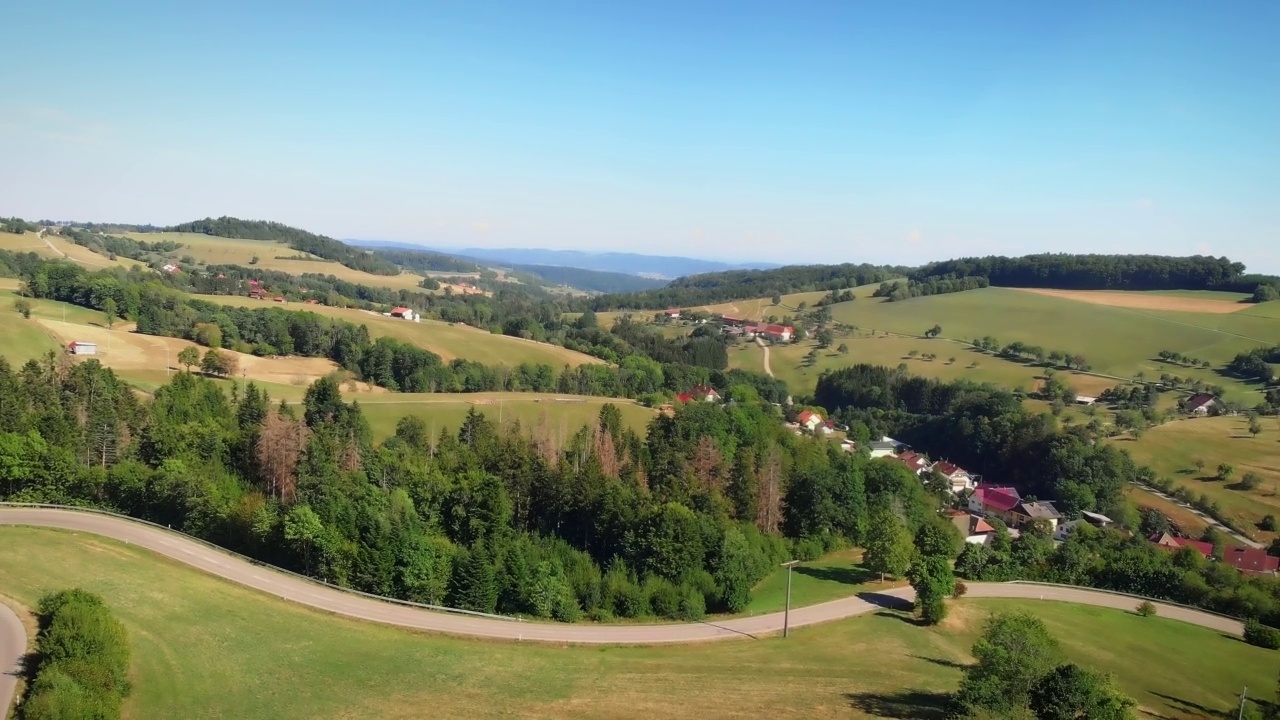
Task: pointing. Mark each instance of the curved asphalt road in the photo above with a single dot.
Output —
(289, 587)
(13, 645)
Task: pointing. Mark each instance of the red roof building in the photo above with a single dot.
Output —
(998, 500)
(809, 419)
(1172, 542)
(1250, 560)
(914, 461)
(779, 333)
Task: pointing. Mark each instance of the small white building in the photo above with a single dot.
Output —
(79, 347)
(404, 313)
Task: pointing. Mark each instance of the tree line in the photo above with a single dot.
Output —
(1256, 364)
(319, 245)
(1100, 272)
(899, 290)
(543, 521)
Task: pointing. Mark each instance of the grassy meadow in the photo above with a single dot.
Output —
(448, 340)
(61, 248)
(563, 414)
(1172, 449)
(206, 648)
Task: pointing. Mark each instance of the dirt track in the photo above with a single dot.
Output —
(1144, 301)
(289, 587)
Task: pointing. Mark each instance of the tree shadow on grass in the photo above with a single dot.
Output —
(1192, 707)
(845, 575)
(913, 704)
(942, 662)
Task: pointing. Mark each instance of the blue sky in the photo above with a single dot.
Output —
(791, 132)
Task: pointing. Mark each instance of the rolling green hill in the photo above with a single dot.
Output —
(203, 647)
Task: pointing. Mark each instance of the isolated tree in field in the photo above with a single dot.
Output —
(776, 300)
(1013, 654)
(933, 332)
(1250, 481)
(1070, 691)
(1255, 426)
(109, 311)
(1198, 463)
(280, 444)
(215, 363)
(824, 338)
(889, 549)
(189, 357)
(843, 349)
(23, 307)
(1225, 471)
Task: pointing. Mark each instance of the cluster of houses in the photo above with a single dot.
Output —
(1248, 560)
(738, 327)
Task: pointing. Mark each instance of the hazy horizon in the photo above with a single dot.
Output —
(744, 132)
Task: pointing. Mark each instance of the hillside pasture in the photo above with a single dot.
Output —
(213, 250)
(1172, 449)
(1116, 341)
(789, 362)
(448, 340)
(562, 415)
(52, 246)
(203, 647)
(1206, 303)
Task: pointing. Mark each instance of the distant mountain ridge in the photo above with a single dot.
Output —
(657, 266)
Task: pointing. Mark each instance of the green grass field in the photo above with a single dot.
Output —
(21, 339)
(565, 414)
(447, 340)
(209, 649)
(1172, 449)
(788, 362)
(831, 577)
(1116, 340)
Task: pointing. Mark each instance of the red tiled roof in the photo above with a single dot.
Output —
(915, 461)
(1000, 498)
(948, 468)
(1165, 540)
(775, 329)
(684, 397)
(399, 310)
(1199, 400)
(804, 417)
(1251, 560)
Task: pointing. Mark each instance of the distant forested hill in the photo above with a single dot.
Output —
(591, 280)
(318, 245)
(661, 266)
(1099, 272)
(742, 284)
(422, 261)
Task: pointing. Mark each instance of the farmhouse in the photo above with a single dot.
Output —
(1172, 542)
(915, 462)
(170, 268)
(809, 420)
(886, 446)
(1202, 404)
(973, 529)
(672, 314)
(404, 313)
(79, 347)
(777, 333)
(1255, 561)
(700, 393)
(997, 501)
(1029, 512)
(1085, 400)
(960, 478)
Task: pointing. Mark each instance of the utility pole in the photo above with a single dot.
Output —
(786, 613)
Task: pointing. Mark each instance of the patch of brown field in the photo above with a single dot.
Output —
(122, 350)
(1187, 521)
(1143, 301)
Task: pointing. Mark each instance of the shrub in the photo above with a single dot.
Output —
(83, 659)
(960, 590)
(1264, 636)
(807, 549)
(1146, 608)
(693, 605)
(664, 597)
(1268, 523)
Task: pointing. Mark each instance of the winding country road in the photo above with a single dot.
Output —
(305, 592)
(13, 645)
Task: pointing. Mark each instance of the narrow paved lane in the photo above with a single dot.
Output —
(340, 602)
(13, 645)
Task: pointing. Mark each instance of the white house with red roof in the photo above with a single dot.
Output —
(998, 501)
(1202, 404)
(404, 313)
(959, 478)
(672, 314)
(700, 393)
(777, 333)
(809, 420)
(914, 461)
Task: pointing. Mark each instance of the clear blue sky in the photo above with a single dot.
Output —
(788, 131)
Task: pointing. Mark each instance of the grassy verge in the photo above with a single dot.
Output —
(207, 648)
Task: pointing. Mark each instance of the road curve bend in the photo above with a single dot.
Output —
(329, 599)
(13, 645)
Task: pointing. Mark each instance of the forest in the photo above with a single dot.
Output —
(1097, 272)
(599, 522)
(898, 290)
(318, 245)
(720, 287)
